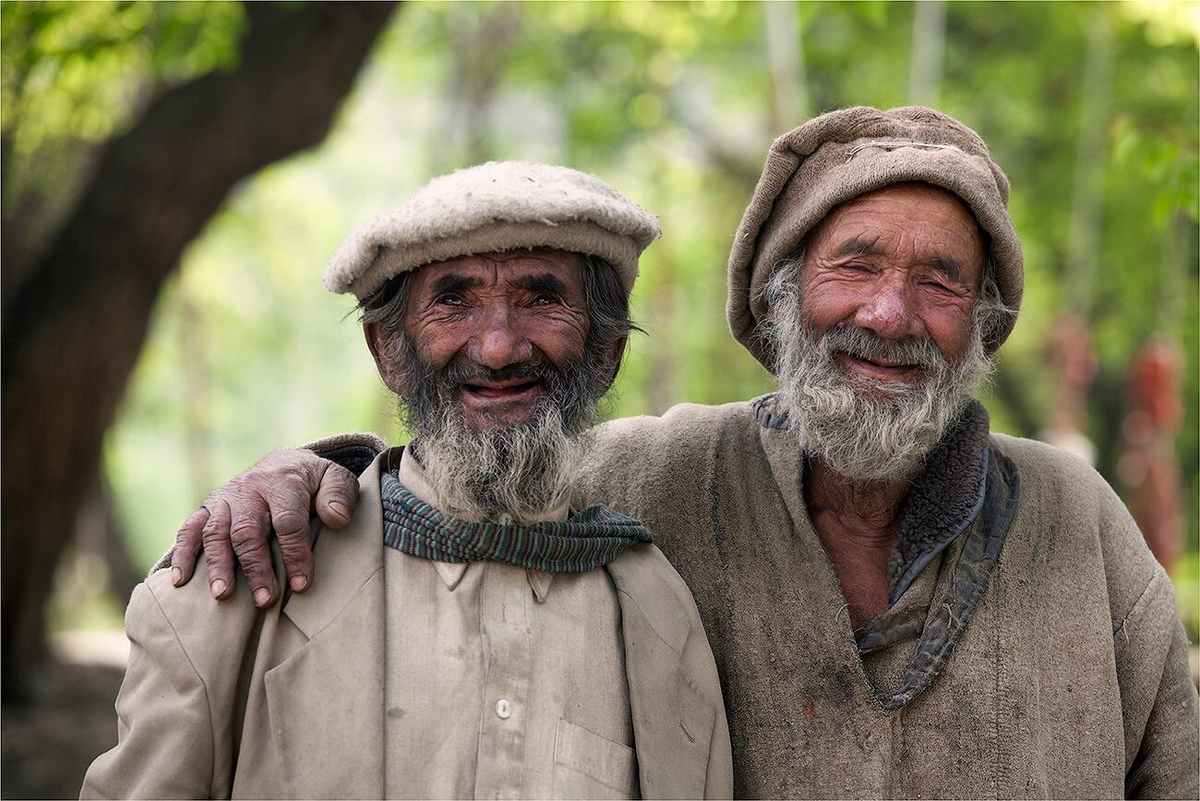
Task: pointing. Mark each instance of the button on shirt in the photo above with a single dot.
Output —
(503, 682)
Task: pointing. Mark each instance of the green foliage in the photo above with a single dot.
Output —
(77, 70)
(1187, 592)
(671, 102)
(75, 74)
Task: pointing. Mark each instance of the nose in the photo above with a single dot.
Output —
(499, 342)
(890, 310)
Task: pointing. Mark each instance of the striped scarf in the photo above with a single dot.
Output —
(586, 541)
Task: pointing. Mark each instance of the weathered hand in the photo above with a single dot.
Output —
(236, 520)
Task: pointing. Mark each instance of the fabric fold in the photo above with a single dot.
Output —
(586, 541)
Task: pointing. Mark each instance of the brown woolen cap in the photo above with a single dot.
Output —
(840, 155)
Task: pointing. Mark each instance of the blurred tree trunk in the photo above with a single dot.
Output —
(785, 56)
(197, 438)
(482, 43)
(98, 531)
(76, 326)
(928, 53)
(1087, 198)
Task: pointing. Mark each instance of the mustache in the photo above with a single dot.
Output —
(432, 393)
(862, 343)
(459, 373)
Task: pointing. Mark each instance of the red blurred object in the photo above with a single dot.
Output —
(1149, 468)
(1069, 352)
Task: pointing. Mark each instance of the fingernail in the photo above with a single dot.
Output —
(218, 588)
(298, 583)
(261, 596)
(176, 576)
(339, 507)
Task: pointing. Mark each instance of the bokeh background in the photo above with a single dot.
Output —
(175, 176)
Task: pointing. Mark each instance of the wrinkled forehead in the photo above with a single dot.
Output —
(915, 201)
(886, 218)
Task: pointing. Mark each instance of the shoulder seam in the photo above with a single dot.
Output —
(1156, 577)
(212, 733)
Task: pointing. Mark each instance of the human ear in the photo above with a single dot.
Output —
(616, 350)
(381, 342)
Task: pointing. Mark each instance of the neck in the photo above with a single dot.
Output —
(849, 513)
(858, 524)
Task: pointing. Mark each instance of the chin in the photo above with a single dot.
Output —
(490, 422)
(883, 391)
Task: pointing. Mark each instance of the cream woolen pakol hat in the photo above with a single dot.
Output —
(840, 155)
(501, 205)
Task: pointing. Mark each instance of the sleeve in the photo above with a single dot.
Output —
(1158, 696)
(355, 452)
(165, 745)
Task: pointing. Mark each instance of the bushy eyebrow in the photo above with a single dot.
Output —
(861, 246)
(858, 246)
(453, 283)
(947, 266)
(541, 282)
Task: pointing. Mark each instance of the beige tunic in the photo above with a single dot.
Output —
(494, 671)
(222, 699)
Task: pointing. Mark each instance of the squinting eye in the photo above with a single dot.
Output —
(545, 300)
(451, 300)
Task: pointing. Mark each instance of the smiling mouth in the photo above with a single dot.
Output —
(881, 368)
(501, 392)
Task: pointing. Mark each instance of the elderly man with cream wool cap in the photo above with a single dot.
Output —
(901, 602)
(471, 635)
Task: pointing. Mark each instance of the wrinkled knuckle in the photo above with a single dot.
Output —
(245, 533)
(212, 530)
(342, 476)
(293, 478)
(295, 550)
(258, 571)
(250, 555)
(189, 530)
(290, 524)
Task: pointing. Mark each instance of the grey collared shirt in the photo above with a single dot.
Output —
(503, 682)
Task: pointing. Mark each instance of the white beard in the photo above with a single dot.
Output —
(864, 429)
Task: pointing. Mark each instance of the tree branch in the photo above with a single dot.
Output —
(75, 328)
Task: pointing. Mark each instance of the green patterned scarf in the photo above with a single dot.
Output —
(586, 541)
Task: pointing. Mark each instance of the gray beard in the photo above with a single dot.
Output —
(516, 473)
(513, 473)
(866, 430)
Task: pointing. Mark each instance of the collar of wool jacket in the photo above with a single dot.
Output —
(497, 206)
(840, 155)
(943, 500)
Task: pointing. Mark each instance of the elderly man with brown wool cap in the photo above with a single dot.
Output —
(901, 603)
(472, 635)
